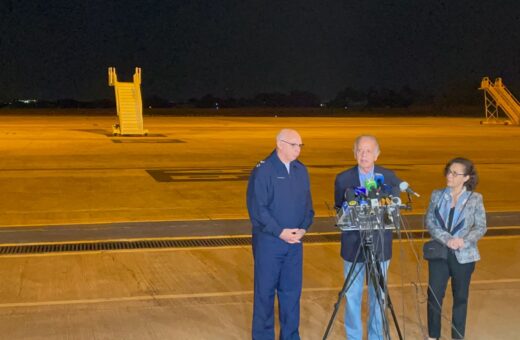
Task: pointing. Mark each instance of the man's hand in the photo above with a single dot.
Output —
(291, 235)
(300, 233)
(456, 243)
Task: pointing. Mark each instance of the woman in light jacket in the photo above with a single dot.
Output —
(457, 219)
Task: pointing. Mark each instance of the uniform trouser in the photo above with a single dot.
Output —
(278, 269)
(439, 273)
(354, 294)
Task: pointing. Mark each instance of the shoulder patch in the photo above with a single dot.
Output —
(259, 164)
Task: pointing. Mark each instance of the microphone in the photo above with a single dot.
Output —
(350, 195)
(395, 201)
(384, 190)
(353, 203)
(370, 185)
(360, 191)
(380, 180)
(373, 197)
(405, 187)
(372, 192)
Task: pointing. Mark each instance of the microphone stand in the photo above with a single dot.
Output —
(373, 270)
(346, 285)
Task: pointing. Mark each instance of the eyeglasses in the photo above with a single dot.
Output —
(292, 144)
(453, 173)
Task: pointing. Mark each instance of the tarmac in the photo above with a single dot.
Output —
(67, 179)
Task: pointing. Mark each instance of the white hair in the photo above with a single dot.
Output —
(359, 138)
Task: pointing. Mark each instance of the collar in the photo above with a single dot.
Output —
(370, 172)
(463, 194)
(278, 162)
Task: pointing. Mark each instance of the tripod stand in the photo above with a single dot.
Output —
(366, 223)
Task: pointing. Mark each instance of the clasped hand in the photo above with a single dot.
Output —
(455, 243)
(293, 235)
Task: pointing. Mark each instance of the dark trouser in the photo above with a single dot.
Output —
(439, 273)
(278, 269)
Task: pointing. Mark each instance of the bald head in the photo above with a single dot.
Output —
(288, 145)
(286, 134)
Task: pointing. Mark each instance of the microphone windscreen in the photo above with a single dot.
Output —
(370, 184)
(350, 195)
(360, 191)
(380, 179)
(386, 190)
(372, 194)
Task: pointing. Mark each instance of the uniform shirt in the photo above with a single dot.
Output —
(277, 198)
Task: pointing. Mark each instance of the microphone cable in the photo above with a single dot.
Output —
(421, 297)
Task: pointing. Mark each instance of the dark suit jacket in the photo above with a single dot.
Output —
(350, 240)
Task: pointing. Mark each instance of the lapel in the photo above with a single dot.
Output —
(440, 218)
(355, 177)
(461, 218)
(440, 209)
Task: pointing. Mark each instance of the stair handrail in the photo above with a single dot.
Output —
(112, 76)
(501, 85)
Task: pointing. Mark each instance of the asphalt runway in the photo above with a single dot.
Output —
(67, 179)
(68, 170)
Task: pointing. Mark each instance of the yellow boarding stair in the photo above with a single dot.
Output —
(496, 96)
(129, 104)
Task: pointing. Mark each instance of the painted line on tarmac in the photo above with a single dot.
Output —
(224, 237)
(204, 295)
(82, 224)
(403, 239)
(37, 226)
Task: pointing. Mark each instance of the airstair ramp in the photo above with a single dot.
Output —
(498, 98)
(129, 104)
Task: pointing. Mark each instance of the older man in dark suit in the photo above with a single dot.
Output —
(366, 151)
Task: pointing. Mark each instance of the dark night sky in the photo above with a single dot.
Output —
(61, 48)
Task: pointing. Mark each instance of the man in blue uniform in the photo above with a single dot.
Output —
(280, 208)
(366, 151)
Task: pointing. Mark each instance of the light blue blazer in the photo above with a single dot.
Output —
(469, 221)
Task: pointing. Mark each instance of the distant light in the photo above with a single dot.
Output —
(322, 105)
(27, 101)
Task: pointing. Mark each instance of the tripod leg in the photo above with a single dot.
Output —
(377, 299)
(351, 276)
(384, 288)
(346, 285)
